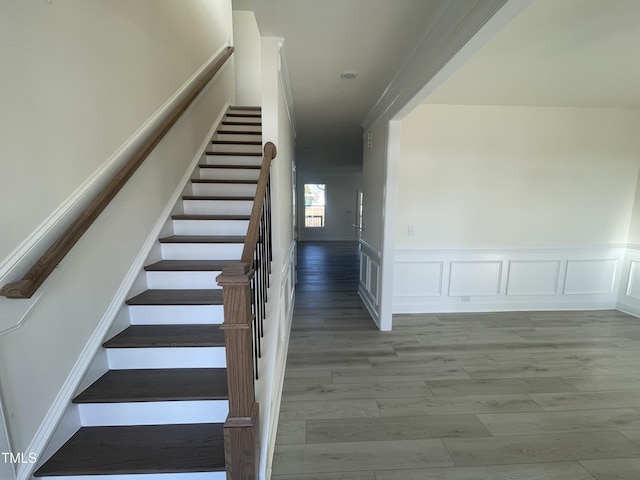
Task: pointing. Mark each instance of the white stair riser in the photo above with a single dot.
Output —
(229, 173)
(210, 227)
(176, 314)
(153, 476)
(217, 207)
(242, 128)
(238, 137)
(249, 118)
(166, 357)
(233, 160)
(216, 147)
(182, 280)
(202, 251)
(239, 189)
(153, 413)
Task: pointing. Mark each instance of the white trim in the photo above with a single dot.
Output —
(285, 84)
(15, 264)
(392, 161)
(64, 396)
(438, 45)
(542, 283)
(283, 339)
(370, 247)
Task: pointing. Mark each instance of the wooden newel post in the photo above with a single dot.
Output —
(241, 434)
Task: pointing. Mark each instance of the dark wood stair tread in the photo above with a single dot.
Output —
(235, 142)
(178, 297)
(224, 181)
(153, 336)
(240, 122)
(231, 167)
(183, 216)
(226, 131)
(245, 107)
(203, 239)
(189, 265)
(244, 198)
(139, 450)
(235, 154)
(157, 385)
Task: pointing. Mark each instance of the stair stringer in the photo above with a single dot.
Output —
(62, 420)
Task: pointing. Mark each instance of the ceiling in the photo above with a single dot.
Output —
(574, 53)
(326, 37)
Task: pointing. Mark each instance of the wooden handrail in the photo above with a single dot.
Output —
(36, 276)
(253, 230)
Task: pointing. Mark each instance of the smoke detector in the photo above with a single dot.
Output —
(349, 74)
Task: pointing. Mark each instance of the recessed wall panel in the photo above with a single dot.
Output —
(475, 278)
(533, 277)
(589, 277)
(415, 279)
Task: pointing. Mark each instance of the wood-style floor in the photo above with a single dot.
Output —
(495, 396)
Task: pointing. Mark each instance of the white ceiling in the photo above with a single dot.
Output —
(577, 53)
(326, 37)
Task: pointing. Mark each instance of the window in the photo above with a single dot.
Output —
(314, 205)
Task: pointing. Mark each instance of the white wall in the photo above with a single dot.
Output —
(513, 207)
(84, 76)
(340, 210)
(277, 128)
(246, 37)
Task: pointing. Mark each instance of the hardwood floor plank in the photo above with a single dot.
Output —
(539, 471)
(587, 400)
(394, 428)
(540, 448)
(358, 456)
(458, 404)
(535, 423)
(314, 410)
(500, 386)
(613, 469)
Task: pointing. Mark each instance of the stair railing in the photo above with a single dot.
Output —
(245, 287)
(38, 273)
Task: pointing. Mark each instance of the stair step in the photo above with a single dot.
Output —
(211, 217)
(189, 265)
(227, 131)
(236, 147)
(178, 297)
(240, 128)
(176, 314)
(157, 385)
(203, 238)
(217, 205)
(245, 113)
(240, 122)
(147, 449)
(229, 167)
(246, 107)
(224, 181)
(241, 198)
(144, 336)
(236, 142)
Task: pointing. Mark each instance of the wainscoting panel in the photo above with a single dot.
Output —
(629, 292)
(519, 278)
(369, 284)
(531, 277)
(405, 272)
(474, 278)
(590, 276)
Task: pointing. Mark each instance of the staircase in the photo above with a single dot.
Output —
(161, 407)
